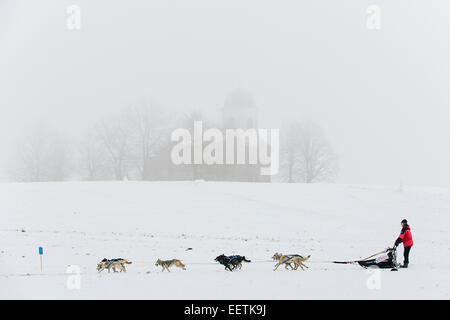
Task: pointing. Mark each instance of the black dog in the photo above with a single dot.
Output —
(224, 260)
(231, 262)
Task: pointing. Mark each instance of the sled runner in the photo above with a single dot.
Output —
(386, 259)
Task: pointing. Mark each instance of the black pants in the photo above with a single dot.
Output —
(406, 255)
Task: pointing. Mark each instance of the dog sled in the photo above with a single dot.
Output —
(386, 259)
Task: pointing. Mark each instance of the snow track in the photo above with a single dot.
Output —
(81, 223)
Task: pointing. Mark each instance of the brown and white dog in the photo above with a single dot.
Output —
(166, 264)
(113, 264)
(296, 259)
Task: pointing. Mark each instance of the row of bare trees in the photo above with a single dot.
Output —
(115, 148)
(41, 156)
(123, 145)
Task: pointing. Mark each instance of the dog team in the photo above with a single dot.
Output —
(231, 263)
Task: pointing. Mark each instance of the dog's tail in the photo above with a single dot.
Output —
(126, 261)
(245, 259)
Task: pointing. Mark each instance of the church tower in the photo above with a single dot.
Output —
(239, 111)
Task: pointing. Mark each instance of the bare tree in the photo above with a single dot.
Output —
(41, 156)
(188, 122)
(58, 161)
(308, 155)
(290, 149)
(115, 136)
(92, 158)
(149, 130)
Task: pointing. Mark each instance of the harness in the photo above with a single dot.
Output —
(229, 259)
(226, 260)
(168, 262)
(112, 261)
(291, 256)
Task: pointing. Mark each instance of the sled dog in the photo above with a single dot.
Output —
(113, 264)
(237, 260)
(166, 264)
(296, 259)
(277, 256)
(231, 262)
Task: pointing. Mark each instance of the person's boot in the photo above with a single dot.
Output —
(404, 265)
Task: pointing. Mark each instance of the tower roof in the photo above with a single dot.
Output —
(240, 99)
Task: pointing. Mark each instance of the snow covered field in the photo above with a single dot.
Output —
(80, 223)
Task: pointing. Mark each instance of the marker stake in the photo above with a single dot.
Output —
(41, 253)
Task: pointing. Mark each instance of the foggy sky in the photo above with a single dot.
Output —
(382, 96)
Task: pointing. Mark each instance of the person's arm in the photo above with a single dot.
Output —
(399, 239)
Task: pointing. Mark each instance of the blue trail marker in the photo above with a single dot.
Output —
(41, 253)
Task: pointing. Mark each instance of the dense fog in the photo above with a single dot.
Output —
(365, 83)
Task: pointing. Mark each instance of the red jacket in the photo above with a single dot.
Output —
(405, 237)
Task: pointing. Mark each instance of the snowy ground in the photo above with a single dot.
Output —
(80, 223)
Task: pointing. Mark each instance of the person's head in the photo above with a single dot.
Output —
(404, 222)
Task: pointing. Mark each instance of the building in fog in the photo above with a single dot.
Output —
(239, 112)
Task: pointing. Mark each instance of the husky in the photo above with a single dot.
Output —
(113, 264)
(277, 256)
(296, 259)
(239, 260)
(231, 262)
(166, 264)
